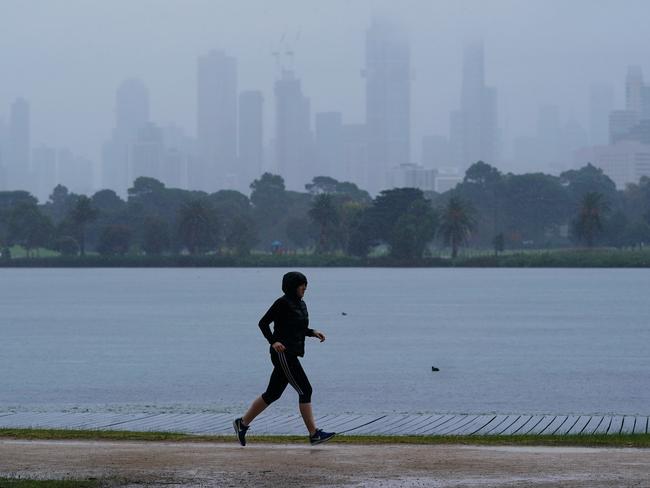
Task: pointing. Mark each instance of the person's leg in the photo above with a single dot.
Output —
(277, 383)
(308, 417)
(256, 408)
(298, 379)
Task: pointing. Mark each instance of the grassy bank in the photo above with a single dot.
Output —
(573, 258)
(563, 258)
(596, 440)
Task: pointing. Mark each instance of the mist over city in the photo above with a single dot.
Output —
(209, 95)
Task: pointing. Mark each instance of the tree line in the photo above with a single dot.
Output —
(487, 210)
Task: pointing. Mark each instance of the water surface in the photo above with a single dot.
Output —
(186, 340)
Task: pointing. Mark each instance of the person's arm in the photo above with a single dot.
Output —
(266, 320)
(315, 333)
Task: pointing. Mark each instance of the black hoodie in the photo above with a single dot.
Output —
(289, 316)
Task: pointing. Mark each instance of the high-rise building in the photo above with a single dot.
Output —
(601, 103)
(328, 128)
(620, 124)
(624, 162)
(19, 146)
(478, 111)
(180, 154)
(293, 138)
(388, 99)
(216, 127)
(131, 114)
(174, 168)
(147, 152)
(131, 108)
(355, 154)
(251, 137)
(627, 156)
(45, 170)
(632, 124)
(634, 89)
(490, 139)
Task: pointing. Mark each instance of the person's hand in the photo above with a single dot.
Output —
(320, 335)
(278, 346)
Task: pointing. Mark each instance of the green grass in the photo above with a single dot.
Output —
(473, 258)
(29, 483)
(20, 252)
(613, 440)
(563, 258)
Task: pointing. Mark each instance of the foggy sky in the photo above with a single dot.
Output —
(67, 57)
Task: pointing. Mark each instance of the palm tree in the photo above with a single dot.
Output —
(197, 226)
(81, 214)
(324, 213)
(456, 224)
(589, 221)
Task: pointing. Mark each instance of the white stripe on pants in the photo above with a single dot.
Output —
(287, 372)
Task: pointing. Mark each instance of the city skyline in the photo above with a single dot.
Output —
(288, 47)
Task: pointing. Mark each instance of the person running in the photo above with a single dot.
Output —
(287, 342)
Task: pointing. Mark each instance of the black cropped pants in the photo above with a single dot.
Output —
(287, 370)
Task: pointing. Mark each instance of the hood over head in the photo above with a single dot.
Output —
(291, 281)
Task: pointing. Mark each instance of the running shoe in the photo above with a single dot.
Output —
(319, 437)
(240, 430)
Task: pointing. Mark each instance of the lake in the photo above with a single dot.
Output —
(186, 340)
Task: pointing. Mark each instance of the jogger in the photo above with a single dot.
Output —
(287, 342)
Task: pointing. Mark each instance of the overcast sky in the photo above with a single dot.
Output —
(68, 56)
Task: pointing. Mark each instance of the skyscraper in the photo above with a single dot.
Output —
(388, 99)
(147, 152)
(131, 114)
(131, 108)
(251, 136)
(19, 146)
(45, 170)
(217, 119)
(174, 167)
(633, 122)
(601, 103)
(355, 154)
(180, 154)
(634, 89)
(293, 138)
(478, 111)
(329, 144)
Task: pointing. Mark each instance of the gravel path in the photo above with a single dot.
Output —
(153, 464)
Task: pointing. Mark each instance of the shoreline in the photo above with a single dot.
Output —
(560, 258)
